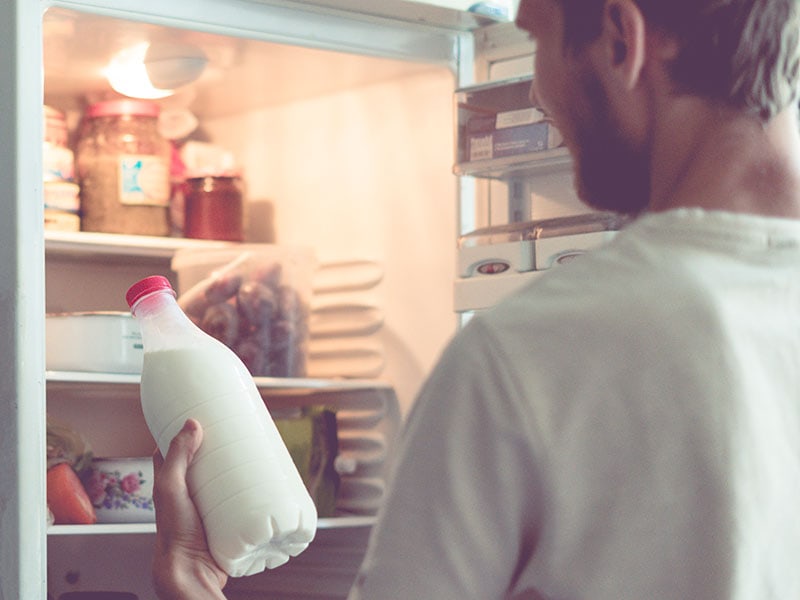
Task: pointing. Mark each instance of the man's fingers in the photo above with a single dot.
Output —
(186, 442)
(172, 469)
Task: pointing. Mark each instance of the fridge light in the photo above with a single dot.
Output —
(171, 65)
(155, 70)
(127, 74)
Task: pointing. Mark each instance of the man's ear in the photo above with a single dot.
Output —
(623, 42)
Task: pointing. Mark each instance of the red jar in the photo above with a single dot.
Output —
(214, 208)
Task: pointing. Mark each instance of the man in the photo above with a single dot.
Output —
(628, 426)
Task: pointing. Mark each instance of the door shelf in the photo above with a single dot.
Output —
(148, 528)
(521, 166)
(500, 135)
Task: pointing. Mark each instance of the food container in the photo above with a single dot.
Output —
(533, 245)
(123, 169)
(62, 195)
(55, 126)
(105, 342)
(121, 489)
(254, 298)
(58, 163)
(61, 202)
(213, 208)
(61, 220)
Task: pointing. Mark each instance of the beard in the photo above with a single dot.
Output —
(611, 174)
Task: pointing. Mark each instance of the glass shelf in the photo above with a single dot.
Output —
(278, 392)
(265, 384)
(519, 166)
(89, 244)
(150, 528)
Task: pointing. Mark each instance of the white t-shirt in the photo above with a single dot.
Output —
(627, 427)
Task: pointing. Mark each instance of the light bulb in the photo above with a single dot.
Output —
(127, 74)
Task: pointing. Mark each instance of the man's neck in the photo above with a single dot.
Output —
(715, 158)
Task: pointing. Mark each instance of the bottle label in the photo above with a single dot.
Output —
(143, 180)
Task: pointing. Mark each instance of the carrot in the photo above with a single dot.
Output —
(67, 498)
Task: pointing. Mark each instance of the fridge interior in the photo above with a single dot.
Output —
(348, 154)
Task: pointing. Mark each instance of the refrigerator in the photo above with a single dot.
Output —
(347, 119)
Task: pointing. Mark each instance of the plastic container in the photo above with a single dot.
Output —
(96, 341)
(255, 298)
(213, 208)
(123, 169)
(255, 508)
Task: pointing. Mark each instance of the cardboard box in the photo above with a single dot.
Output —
(510, 141)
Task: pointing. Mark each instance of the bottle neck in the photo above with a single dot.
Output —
(163, 323)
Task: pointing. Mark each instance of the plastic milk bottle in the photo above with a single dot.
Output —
(255, 508)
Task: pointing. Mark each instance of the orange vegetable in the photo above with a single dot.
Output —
(67, 498)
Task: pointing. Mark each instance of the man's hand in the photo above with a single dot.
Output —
(183, 568)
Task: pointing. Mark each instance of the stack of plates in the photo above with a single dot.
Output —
(345, 321)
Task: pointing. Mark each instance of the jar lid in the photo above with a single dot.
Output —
(148, 285)
(115, 108)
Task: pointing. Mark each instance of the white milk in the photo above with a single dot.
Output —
(255, 508)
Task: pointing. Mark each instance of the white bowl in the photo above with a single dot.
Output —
(104, 342)
(121, 490)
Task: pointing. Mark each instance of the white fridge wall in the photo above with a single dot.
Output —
(366, 173)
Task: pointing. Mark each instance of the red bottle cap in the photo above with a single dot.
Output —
(148, 285)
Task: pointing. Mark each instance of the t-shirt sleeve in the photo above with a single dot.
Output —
(461, 515)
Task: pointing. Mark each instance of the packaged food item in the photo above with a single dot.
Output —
(312, 440)
(55, 127)
(255, 508)
(254, 298)
(68, 458)
(62, 195)
(61, 203)
(61, 220)
(123, 169)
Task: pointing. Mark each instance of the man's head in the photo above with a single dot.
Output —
(604, 67)
(744, 53)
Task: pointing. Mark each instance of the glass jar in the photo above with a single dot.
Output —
(213, 208)
(123, 169)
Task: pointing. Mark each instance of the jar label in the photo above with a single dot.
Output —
(143, 180)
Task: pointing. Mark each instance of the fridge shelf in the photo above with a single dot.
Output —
(150, 528)
(102, 383)
(89, 244)
(520, 166)
(500, 135)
